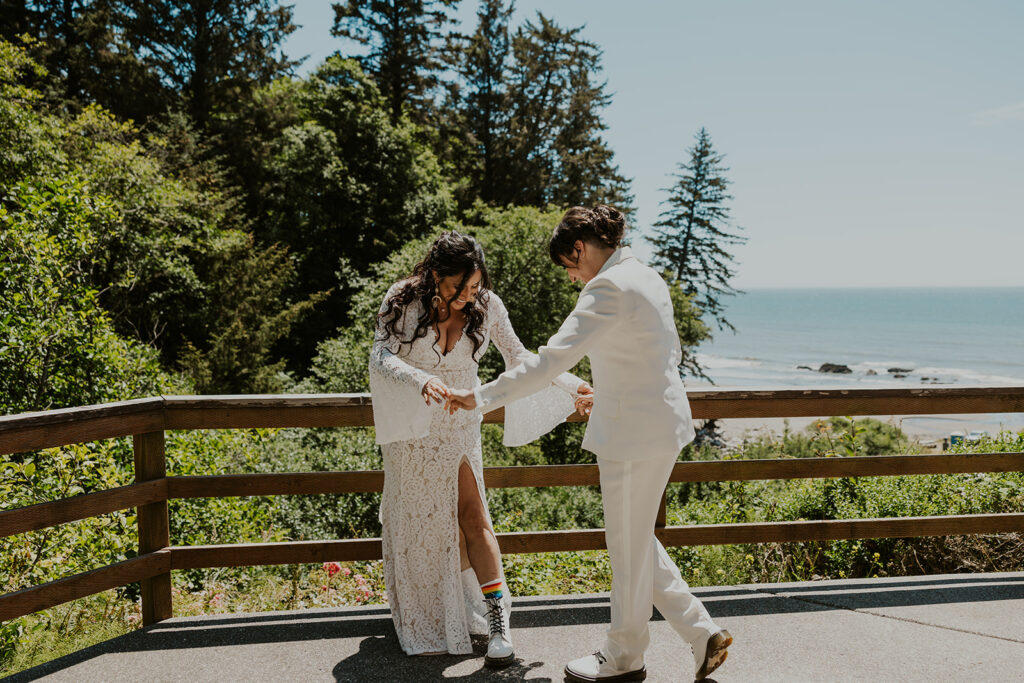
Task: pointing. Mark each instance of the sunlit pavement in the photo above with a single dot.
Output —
(967, 627)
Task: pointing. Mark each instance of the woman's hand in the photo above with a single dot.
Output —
(435, 390)
(584, 399)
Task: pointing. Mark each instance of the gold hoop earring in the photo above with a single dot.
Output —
(436, 301)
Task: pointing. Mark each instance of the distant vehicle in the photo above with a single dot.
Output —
(975, 436)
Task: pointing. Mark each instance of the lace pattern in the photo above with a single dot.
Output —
(432, 606)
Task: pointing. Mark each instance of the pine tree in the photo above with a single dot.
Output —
(585, 174)
(692, 236)
(213, 52)
(85, 56)
(551, 151)
(402, 37)
(481, 61)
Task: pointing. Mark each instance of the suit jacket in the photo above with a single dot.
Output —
(623, 320)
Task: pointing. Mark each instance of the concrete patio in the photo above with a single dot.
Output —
(966, 627)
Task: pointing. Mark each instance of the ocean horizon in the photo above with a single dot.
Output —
(945, 336)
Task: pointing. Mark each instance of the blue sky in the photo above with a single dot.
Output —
(870, 143)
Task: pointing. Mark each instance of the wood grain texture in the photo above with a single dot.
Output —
(191, 557)
(743, 403)
(293, 483)
(48, 595)
(861, 466)
(268, 410)
(154, 526)
(303, 483)
(43, 515)
(32, 431)
(292, 552)
(51, 428)
(844, 529)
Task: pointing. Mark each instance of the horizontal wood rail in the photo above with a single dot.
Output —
(81, 585)
(43, 515)
(148, 419)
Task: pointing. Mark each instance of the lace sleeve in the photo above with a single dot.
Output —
(399, 412)
(533, 416)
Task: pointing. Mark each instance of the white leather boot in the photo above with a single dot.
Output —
(499, 645)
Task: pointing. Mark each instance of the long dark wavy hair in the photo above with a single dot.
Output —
(451, 254)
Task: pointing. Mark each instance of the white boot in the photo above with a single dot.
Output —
(499, 645)
(476, 615)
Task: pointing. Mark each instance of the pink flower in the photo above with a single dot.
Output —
(332, 568)
(360, 580)
(346, 571)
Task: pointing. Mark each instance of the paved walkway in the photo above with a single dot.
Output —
(937, 628)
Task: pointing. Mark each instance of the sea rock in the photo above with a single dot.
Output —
(902, 370)
(871, 373)
(835, 368)
(804, 367)
(899, 376)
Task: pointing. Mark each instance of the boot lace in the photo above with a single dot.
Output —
(495, 615)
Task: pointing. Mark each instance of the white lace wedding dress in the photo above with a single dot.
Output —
(436, 606)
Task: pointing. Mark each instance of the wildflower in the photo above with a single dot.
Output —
(332, 568)
(345, 571)
(360, 580)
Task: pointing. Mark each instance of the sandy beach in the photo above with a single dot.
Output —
(925, 429)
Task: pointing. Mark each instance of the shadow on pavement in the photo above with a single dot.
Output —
(380, 658)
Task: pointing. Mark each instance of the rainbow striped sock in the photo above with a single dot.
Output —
(492, 589)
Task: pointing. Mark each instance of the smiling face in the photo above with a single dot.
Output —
(448, 286)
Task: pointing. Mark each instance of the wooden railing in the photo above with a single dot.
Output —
(146, 420)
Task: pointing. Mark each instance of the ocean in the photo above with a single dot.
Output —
(940, 336)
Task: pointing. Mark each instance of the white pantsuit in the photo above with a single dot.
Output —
(640, 420)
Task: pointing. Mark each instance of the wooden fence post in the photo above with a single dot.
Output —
(660, 522)
(154, 527)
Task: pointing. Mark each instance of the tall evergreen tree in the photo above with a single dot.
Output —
(481, 60)
(692, 237)
(403, 38)
(84, 53)
(213, 52)
(550, 150)
(585, 173)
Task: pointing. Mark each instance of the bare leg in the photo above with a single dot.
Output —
(482, 546)
(463, 552)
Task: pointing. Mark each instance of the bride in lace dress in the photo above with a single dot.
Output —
(440, 552)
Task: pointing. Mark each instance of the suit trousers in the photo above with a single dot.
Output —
(642, 572)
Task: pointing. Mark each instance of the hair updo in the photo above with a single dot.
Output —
(601, 225)
(452, 253)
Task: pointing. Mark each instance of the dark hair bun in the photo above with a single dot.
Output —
(602, 225)
(609, 224)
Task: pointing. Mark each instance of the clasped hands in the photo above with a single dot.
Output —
(454, 399)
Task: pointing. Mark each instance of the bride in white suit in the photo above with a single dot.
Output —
(639, 422)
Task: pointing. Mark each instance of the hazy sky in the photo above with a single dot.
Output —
(870, 143)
